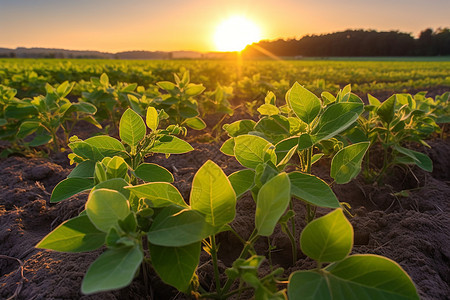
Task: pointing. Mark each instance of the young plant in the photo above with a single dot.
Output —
(45, 116)
(111, 100)
(392, 124)
(329, 240)
(179, 102)
(103, 159)
(154, 216)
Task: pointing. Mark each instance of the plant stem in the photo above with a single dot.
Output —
(293, 241)
(212, 240)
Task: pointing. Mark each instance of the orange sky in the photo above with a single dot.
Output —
(190, 25)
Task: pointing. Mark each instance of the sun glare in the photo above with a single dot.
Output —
(235, 33)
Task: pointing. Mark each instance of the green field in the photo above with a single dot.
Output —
(249, 79)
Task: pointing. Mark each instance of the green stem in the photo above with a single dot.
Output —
(294, 243)
(212, 240)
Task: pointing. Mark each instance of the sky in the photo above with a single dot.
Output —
(170, 25)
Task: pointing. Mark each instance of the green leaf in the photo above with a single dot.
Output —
(228, 147)
(153, 173)
(268, 109)
(373, 101)
(193, 90)
(85, 169)
(328, 238)
(169, 144)
(213, 195)
(251, 150)
(116, 168)
(152, 119)
(386, 110)
(166, 85)
(86, 151)
(106, 145)
(242, 181)
(305, 104)
(195, 123)
(308, 285)
(69, 187)
(283, 147)
(104, 80)
(313, 190)
(27, 128)
(105, 207)
(40, 139)
(116, 184)
(273, 199)
(160, 193)
(305, 141)
(112, 270)
(176, 265)
(74, 235)
(131, 128)
(369, 277)
(85, 107)
(346, 164)
(275, 128)
(335, 119)
(175, 227)
(420, 159)
(239, 127)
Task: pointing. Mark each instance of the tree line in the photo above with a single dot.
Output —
(357, 43)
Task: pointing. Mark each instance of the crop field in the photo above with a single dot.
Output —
(190, 179)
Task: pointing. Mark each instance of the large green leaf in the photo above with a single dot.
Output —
(112, 270)
(242, 181)
(272, 201)
(335, 119)
(131, 128)
(251, 150)
(86, 151)
(116, 168)
(106, 207)
(175, 227)
(346, 164)
(213, 195)
(284, 147)
(275, 128)
(153, 173)
(313, 190)
(74, 235)
(328, 238)
(27, 128)
(305, 104)
(386, 110)
(239, 127)
(117, 184)
(421, 160)
(106, 145)
(369, 277)
(176, 265)
(85, 169)
(160, 193)
(308, 285)
(170, 144)
(69, 187)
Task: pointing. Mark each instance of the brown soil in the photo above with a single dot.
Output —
(413, 230)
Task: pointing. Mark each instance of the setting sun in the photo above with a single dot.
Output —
(235, 33)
